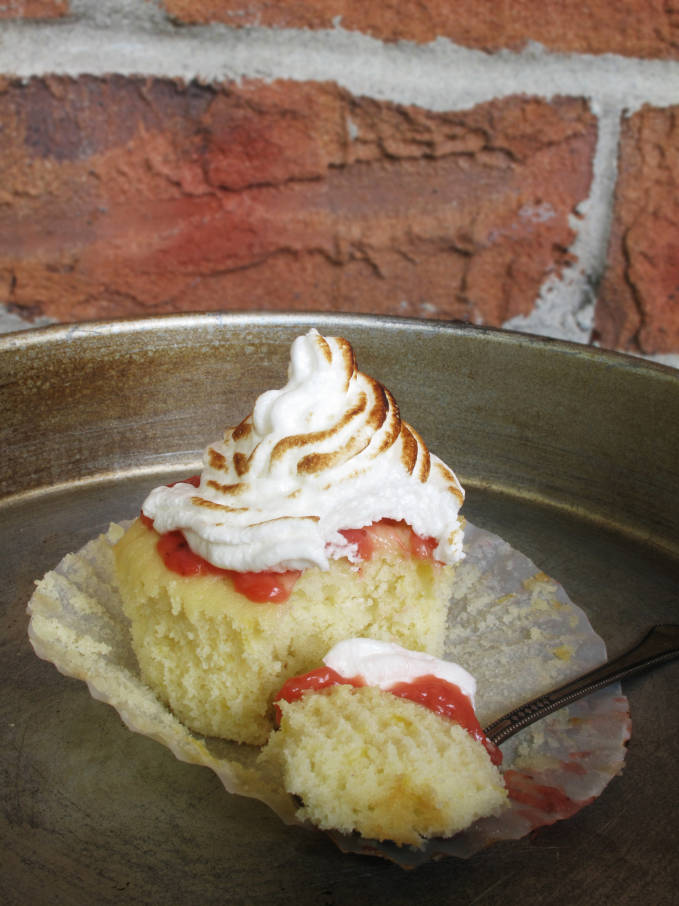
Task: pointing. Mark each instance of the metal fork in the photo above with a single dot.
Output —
(660, 644)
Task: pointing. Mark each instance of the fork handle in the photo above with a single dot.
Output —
(660, 644)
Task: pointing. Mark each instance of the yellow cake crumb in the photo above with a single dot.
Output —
(216, 658)
(364, 760)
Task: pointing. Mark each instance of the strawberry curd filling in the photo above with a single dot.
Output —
(440, 696)
(269, 586)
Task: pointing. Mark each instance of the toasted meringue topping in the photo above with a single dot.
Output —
(326, 452)
(384, 664)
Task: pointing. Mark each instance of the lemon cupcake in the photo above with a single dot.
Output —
(321, 516)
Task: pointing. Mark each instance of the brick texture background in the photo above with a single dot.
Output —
(639, 298)
(649, 28)
(128, 195)
(33, 9)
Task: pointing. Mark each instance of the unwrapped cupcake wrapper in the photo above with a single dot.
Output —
(509, 625)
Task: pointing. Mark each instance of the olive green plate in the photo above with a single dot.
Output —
(569, 453)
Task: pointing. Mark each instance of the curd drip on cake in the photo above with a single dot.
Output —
(321, 516)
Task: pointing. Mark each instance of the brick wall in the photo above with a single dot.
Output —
(508, 164)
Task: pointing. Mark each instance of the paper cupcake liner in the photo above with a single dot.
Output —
(511, 626)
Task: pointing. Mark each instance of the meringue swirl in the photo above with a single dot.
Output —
(384, 664)
(328, 451)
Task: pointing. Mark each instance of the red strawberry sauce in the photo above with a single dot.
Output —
(443, 698)
(276, 587)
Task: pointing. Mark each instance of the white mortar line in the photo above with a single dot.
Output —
(565, 306)
(10, 322)
(438, 76)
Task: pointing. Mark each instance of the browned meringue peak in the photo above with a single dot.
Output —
(330, 445)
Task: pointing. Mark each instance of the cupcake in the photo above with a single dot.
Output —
(321, 516)
(383, 742)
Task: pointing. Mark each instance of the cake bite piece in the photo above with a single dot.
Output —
(321, 516)
(384, 742)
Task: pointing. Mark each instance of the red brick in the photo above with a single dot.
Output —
(638, 307)
(33, 9)
(126, 196)
(638, 28)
